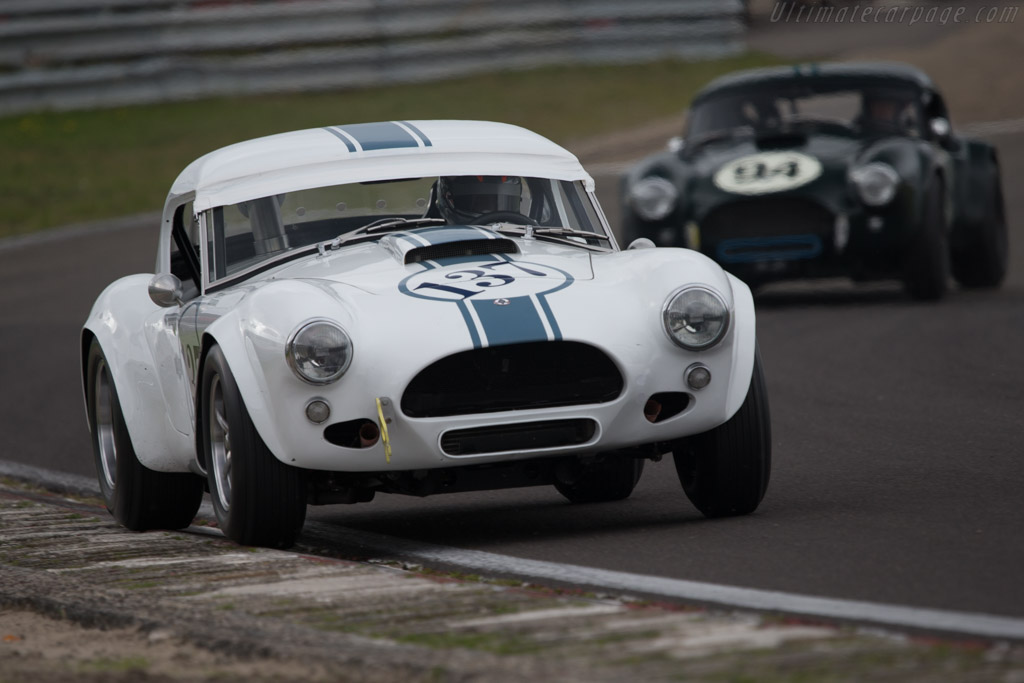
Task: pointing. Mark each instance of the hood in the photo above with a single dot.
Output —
(484, 287)
(448, 252)
(830, 152)
(816, 164)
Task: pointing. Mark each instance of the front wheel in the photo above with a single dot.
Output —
(983, 262)
(138, 498)
(258, 500)
(725, 471)
(927, 267)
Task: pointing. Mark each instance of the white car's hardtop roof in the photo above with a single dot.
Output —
(362, 152)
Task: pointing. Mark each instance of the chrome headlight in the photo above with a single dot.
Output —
(695, 318)
(653, 198)
(876, 183)
(319, 352)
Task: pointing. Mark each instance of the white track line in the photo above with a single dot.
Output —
(476, 561)
(987, 625)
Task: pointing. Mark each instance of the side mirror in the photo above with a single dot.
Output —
(675, 144)
(940, 128)
(165, 290)
(642, 243)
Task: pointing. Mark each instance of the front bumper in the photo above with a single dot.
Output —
(415, 443)
(793, 237)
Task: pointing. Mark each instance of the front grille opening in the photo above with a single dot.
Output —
(513, 377)
(461, 248)
(767, 217)
(526, 436)
(668, 403)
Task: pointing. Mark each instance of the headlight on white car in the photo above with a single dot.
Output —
(876, 183)
(319, 352)
(653, 198)
(695, 318)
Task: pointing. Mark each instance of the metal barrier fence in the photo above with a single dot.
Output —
(77, 54)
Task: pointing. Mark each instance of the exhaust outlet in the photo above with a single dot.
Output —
(652, 409)
(369, 434)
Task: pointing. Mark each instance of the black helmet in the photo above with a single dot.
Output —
(462, 199)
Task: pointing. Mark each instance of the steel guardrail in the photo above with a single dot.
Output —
(74, 54)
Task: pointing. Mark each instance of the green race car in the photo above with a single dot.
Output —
(826, 170)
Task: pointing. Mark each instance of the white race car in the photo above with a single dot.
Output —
(411, 307)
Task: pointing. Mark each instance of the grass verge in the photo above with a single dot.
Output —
(71, 167)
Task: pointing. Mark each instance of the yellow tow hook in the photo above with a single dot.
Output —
(384, 427)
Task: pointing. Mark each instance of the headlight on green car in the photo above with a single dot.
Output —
(653, 198)
(695, 318)
(876, 183)
(319, 352)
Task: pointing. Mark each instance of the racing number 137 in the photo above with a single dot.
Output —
(481, 278)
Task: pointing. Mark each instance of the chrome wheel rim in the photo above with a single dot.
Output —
(220, 444)
(105, 425)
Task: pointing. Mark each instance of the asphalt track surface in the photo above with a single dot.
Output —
(898, 432)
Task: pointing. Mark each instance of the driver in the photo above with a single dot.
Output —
(882, 112)
(462, 200)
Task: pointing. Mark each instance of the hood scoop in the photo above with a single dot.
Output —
(445, 242)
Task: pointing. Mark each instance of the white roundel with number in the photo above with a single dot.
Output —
(767, 172)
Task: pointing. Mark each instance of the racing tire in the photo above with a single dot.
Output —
(983, 262)
(725, 471)
(613, 478)
(257, 499)
(928, 267)
(137, 497)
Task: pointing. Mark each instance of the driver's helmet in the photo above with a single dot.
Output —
(462, 199)
(880, 109)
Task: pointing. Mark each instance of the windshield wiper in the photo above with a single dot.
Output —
(529, 231)
(570, 232)
(373, 227)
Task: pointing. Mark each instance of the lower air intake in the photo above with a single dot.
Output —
(525, 436)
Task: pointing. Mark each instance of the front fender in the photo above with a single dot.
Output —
(125, 321)
(668, 269)
(918, 165)
(252, 334)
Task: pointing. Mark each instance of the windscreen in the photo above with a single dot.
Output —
(245, 235)
(854, 111)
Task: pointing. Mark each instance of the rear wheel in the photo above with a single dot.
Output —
(982, 263)
(725, 471)
(613, 478)
(927, 269)
(139, 498)
(258, 499)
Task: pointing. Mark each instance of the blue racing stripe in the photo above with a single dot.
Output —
(386, 135)
(514, 322)
(556, 333)
(470, 325)
(414, 129)
(348, 143)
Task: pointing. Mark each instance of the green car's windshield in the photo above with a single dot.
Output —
(245, 235)
(862, 111)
